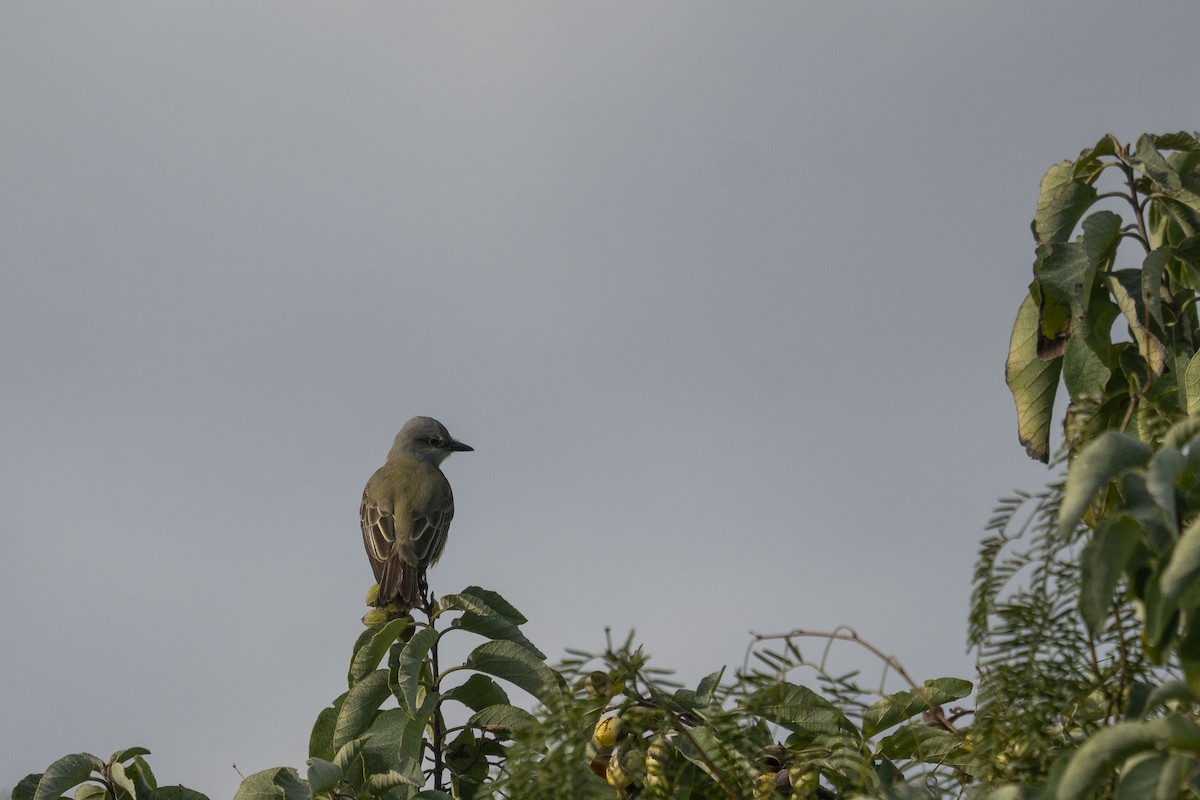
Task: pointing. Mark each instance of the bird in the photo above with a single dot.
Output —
(406, 510)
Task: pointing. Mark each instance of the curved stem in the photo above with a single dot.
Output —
(1139, 205)
(436, 722)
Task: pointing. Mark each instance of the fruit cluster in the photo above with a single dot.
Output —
(634, 763)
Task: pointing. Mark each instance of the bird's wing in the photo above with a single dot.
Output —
(429, 530)
(395, 566)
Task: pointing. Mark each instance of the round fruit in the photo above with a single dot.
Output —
(607, 731)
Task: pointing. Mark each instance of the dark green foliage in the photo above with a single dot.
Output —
(125, 776)
(755, 735)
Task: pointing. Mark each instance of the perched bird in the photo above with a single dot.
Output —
(406, 510)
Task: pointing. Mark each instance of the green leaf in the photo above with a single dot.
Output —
(382, 783)
(320, 741)
(122, 785)
(395, 745)
(1180, 435)
(360, 706)
(899, 706)
(1140, 506)
(1085, 365)
(1188, 648)
(703, 695)
(372, 644)
(1182, 566)
(1167, 694)
(1089, 164)
(1032, 381)
(66, 773)
(1098, 462)
(1101, 237)
(1062, 202)
(502, 718)
(26, 787)
(89, 791)
(177, 793)
(348, 752)
(495, 627)
(1102, 563)
(1153, 266)
(1063, 272)
(477, 692)
(1177, 220)
(143, 777)
(277, 783)
(323, 775)
(408, 672)
(1191, 379)
(922, 743)
(1164, 470)
(1162, 170)
(1187, 250)
(1109, 748)
(483, 602)
(1160, 775)
(128, 753)
(891, 710)
(1126, 286)
(518, 666)
(1180, 140)
(1159, 626)
(798, 708)
(946, 690)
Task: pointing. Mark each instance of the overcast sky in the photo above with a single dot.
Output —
(720, 293)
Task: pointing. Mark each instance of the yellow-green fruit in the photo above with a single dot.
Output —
(659, 752)
(375, 616)
(764, 786)
(372, 594)
(657, 756)
(805, 781)
(607, 731)
(624, 768)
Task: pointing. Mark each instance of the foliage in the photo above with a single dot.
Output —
(125, 776)
(718, 740)
(1085, 614)
(1086, 611)
(389, 735)
(1064, 324)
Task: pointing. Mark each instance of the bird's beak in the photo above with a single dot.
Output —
(459, 447)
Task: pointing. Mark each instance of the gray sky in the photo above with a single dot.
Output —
(720, 293)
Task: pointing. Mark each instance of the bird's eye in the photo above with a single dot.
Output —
(434, 441)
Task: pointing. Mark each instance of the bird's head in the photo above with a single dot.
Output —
(428, 440)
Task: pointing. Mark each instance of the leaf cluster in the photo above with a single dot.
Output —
(1086, 608)
(392, 734)
(1081, 287)
(124, 776)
